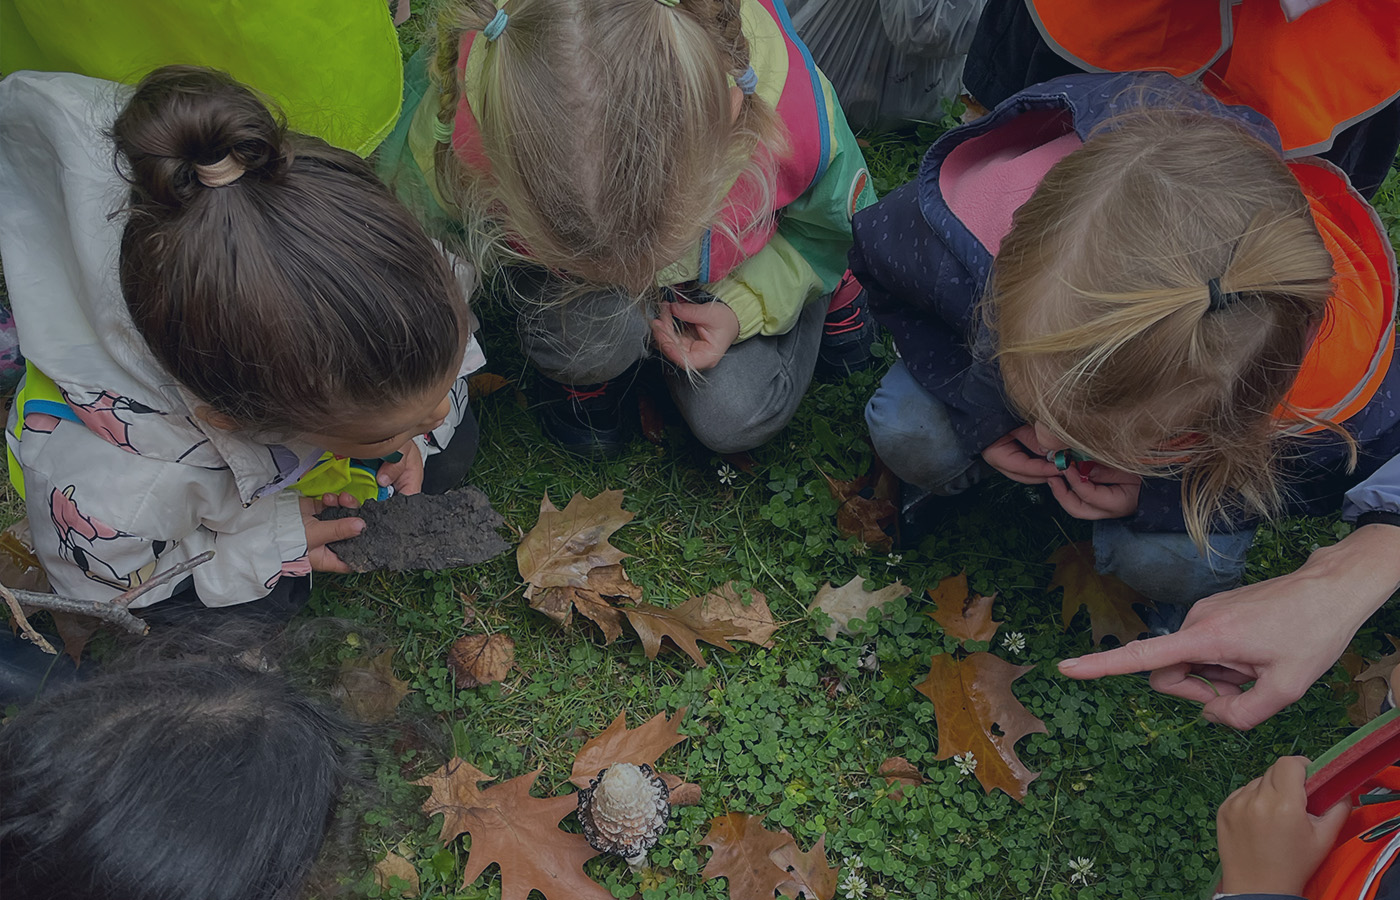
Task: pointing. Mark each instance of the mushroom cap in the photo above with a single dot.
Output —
(624, 810)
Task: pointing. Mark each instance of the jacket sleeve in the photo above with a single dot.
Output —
(104, 521)
(1377, 499)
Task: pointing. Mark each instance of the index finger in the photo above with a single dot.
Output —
(1138, 656)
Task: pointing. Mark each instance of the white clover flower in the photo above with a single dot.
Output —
(726, 474)
(966, 762)
(1082, 868)
(852, 886)
(1015, 642)
(894, 559)
(854, 863)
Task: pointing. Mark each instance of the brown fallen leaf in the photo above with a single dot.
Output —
(808, 874)
(484, 384)
(617, 744)
(751, 622)
(595, 601)
(852, 601)
(1110, 601)
(962, 614)
(867, 518)
(368, 690)
(683, 626)
(75, 631)
(743, 851)
(454, 791)
(478, 659)
(564, 546)
(521, 834)
(742, 461)
(972, 701)
(1374, 682)
(901, 773)
(650, 418)
(395, 866)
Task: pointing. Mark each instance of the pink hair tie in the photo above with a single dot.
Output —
(220, 174)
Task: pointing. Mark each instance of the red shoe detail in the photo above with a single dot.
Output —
(577, 395)
(845, 294)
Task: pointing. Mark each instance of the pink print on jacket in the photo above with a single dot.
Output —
(81, 539)
(293, 568)
(106, 415)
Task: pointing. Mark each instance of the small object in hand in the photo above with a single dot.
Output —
(1082, 462)
(624, 811)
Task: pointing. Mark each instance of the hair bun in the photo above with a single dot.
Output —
(183, 119)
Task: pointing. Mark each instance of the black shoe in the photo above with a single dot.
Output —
(849, 331)
(586, 419)
(26, 672)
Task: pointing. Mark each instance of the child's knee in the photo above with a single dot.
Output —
(1168, 567)
(912, 434)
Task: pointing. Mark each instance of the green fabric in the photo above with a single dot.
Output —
(332, 65)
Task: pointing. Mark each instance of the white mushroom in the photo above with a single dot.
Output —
(624, 811)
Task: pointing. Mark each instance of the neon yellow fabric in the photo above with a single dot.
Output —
(333, 66)
(36, 386)
(332, 476)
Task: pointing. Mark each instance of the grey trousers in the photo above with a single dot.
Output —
(595, 336)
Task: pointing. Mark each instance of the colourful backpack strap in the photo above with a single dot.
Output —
(334, 475)
(37, 394)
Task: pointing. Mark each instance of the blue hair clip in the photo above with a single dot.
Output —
(497, 25)
(747, 81)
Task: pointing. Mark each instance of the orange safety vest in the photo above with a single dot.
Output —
(1352, 352)
(1312, 78)
(1343, 875)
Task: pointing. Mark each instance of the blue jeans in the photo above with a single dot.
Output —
(913, 435)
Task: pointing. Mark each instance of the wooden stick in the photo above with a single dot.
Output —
(23, 621)
(124, 600)
(98, 609)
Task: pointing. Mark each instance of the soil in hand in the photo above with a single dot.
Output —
(422, 531)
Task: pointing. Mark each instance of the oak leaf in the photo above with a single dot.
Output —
(454, 791)
(1374, 680)
(477, 659)
(964, 615)
(683, 625)
(595, 601)
(808, 874)
(867, 505)
(901, 773)
(395, 866)
(617, 744)
(368, 690)
(75, 631)
(750, 622)
(1109, 600)
(977, 713)
(852, 601)
(521, 834)
(565, 546)
(484, 384)
(743, 851)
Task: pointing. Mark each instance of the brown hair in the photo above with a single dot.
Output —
(609, 130)
(1100, 306)
(300, 291)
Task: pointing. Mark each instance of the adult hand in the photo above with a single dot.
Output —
(1269, 844)
(709, 329)
(1020, 457)
(1281, 634)
(405, 475)
(1097, 491)
(319, 533)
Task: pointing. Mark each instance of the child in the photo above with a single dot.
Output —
(175, 779)
(668, 174)
(201, 329)
(1163, 299)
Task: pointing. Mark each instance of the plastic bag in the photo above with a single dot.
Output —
(890, 61)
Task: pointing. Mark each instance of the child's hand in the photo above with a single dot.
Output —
(1268, 842)
(1020, 457)
(406, 475)
(319, 533)
(1102, 492)
(712, 328)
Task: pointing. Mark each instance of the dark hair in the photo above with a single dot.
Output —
(298, 291)
(180, 779)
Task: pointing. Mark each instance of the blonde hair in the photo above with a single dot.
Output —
(1106, 334)
(609, 128)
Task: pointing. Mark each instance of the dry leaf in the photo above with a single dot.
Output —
(616, 744)
(564, 546)
(684, 626)
(742, 461)
(852, 601)
(484, 384)
(1374, 682)
(393, 865)
(76, 631)
(454, 791)
(808, 874)
(865, 517)
(649, 416)
(752, 622)
(478, 659)
(1110, 601)
(593, 601)
(901, 773)
(963, 615)
(368, 690)
(743, 851)
(521, 834)
(972, 700)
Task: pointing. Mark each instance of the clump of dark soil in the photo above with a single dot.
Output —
(412, 532)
